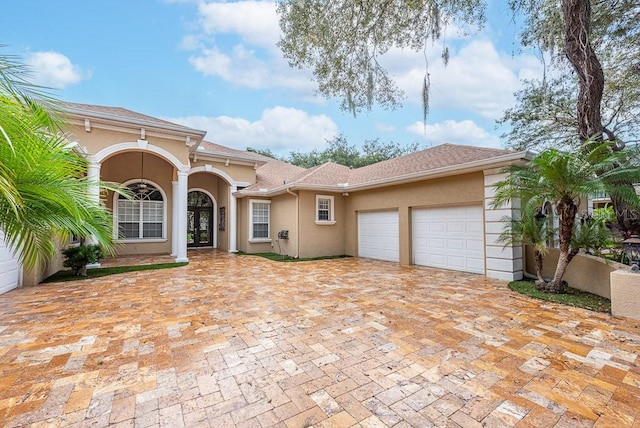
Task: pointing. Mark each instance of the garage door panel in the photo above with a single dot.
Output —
(456, 244)
(475, 246)
(378, 235)
(455, 227)
(9, 267)
(450, 238)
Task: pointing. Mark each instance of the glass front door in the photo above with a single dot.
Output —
(199, 220)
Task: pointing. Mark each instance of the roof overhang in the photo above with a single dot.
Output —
(465, 168)
(227, 158)
(143, 128)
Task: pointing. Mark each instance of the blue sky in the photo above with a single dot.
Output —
(214, 66)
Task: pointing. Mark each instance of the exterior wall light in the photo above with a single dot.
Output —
(632, 248)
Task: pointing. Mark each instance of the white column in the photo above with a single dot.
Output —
(181, 221)
(502, 262)
(174, 218)
(93, 175)
(232, 219)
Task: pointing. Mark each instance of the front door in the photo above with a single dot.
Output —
(199, 220)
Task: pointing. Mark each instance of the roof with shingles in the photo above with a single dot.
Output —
(209, 147)
(276, 174)
(432, 158)
(124, 113)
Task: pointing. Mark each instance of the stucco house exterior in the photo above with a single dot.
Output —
(428, 208)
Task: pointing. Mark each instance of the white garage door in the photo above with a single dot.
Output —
(449, 238)
(378, 235)
(9, 268)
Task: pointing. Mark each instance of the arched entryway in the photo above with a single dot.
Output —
(200, 220)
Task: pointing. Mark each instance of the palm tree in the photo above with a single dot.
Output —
(532, 228)
(563, 178)
(44, 192)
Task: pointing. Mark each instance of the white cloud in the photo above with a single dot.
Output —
(465, 132)
(477, 78)
(254, 22)
(55, 70)
(280, 129)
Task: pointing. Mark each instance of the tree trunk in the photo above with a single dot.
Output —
(82, 271)
(557, 285)
(538, 258)
(577, 32)
(567, 216)
(628, 219)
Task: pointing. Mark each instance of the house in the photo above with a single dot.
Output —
(428, 208)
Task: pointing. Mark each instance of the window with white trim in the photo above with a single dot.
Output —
(324, 209)
(143, 216)
(259, 221)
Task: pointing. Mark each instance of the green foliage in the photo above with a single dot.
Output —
(44, 192)
(572, 297)
(592, 235)
(341, 41)
(545, 114)
(563, 178)
(284, 258)
(343, 153)
(68, 275)
(532, 228)
(78, 257)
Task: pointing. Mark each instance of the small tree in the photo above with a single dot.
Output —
(80, 256)
(563, 178)
(531, 229)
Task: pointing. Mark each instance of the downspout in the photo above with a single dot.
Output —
(297, 222)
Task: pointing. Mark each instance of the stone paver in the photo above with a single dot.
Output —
(240, 341)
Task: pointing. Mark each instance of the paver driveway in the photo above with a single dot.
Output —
(242, 341)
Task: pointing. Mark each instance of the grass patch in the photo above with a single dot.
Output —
(573, 297)
(69, 275)
(284, 258)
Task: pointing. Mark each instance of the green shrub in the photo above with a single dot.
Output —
(80, 256)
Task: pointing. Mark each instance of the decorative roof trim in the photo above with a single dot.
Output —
(232, 158)
(138, 123)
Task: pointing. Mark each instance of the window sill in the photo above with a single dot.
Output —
(259, 240)
(325, 223)
(141, 241)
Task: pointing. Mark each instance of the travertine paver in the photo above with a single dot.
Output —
(240, 341)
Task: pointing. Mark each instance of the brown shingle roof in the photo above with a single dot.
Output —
(124, 114)
(207, 146)
(276, 174)
(425, 160)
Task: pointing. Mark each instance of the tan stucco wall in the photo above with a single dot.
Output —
(99, 139)
(283, 217)
(239, 173)
(585, 272)
(625, 299)
(464, 189)
(127, 166)
(321, 240)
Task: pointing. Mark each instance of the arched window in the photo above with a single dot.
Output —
(143, 216)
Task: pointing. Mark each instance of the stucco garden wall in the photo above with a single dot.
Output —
(585, 272)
